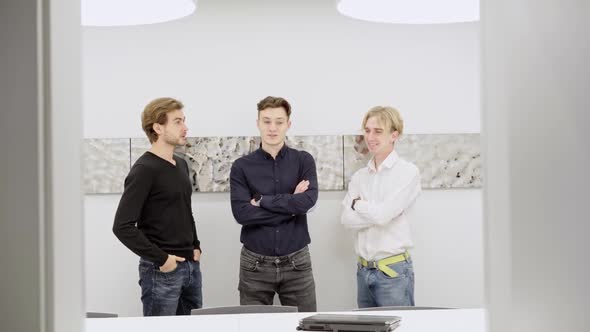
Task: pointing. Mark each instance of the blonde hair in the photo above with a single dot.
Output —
(388, 116)
(155, 112)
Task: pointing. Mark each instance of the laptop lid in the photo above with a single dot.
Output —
(354, 322)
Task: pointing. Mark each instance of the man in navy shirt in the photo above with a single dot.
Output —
(271, 191)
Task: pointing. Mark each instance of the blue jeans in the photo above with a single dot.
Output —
(170, 293)
(376, 289)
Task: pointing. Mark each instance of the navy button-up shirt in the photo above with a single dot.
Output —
(279, 226)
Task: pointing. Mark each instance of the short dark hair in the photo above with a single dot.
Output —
(274, 102)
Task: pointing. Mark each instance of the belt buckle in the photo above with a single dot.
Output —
(369, 264)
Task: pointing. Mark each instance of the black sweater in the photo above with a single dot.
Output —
(154, 217)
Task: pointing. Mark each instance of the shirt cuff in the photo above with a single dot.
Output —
(260, 202)
(361, 206)
(347, 202)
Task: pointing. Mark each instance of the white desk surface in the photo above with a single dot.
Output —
(450, 320)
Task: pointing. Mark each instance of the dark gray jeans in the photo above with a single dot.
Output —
(289, 276)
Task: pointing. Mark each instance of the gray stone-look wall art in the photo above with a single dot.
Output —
(444, 160)
(210, 158)
(106, 164)
(327, 152)
(138, 147)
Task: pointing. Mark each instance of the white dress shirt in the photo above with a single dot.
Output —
(380, 218)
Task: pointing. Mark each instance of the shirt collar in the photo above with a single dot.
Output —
(266, 155)
(391, 159)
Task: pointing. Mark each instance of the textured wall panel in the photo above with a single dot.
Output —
(444, 160)
(106, 164)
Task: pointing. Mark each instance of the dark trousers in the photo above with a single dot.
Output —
(170, 293)
(288, 276)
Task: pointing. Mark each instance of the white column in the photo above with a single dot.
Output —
(40, 137)
(536, 82)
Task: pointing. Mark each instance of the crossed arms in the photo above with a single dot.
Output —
(369, 213)
(273, 209)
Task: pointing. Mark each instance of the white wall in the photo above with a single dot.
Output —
(536, 83)
(447, 256)
(225, 58)
(220, 62)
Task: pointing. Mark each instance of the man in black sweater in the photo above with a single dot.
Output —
(154, 218)
(271, 191)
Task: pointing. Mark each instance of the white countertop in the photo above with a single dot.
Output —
(450, 320)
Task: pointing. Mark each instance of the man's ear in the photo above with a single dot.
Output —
(394, 135)
(157, 128)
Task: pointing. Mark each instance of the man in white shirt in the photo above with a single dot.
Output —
(376, 210)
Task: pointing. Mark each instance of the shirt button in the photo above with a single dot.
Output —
(277, 180)
(277, 230)
(277, 261)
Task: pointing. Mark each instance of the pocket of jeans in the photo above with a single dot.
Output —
(168, 272)
(144, 270)
(248, 265)
(302, 264)
(144, 267)
(399, 268)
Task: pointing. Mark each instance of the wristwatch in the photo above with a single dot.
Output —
(257, 197)
(353, 202)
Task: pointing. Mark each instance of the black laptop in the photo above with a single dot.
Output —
(349, 323)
